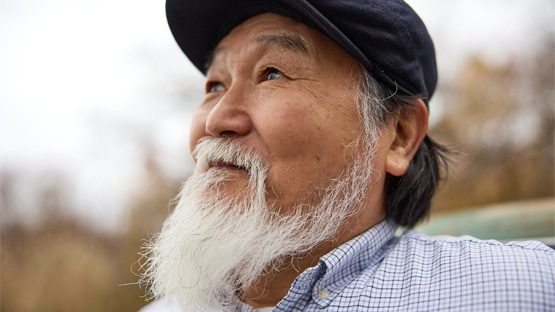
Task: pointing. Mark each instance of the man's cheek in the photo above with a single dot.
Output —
(198, 127)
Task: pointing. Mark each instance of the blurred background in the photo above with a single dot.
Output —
(95, 104)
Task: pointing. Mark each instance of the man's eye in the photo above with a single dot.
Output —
(273, 73)
(214, 86)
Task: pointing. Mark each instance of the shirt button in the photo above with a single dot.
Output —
(323, 294)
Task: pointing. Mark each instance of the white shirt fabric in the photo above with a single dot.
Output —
(165, 306)
(161, 306)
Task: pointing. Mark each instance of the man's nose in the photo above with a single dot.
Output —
(229, 118)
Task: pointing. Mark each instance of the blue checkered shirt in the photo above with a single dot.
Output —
(378, 271)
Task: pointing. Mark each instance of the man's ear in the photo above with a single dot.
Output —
(410, 129)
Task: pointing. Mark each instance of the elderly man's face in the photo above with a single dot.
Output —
(277, 137)
(287, 92)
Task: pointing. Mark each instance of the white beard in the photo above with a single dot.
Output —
(212, 246)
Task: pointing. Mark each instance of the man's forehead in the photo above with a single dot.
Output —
(275, 32)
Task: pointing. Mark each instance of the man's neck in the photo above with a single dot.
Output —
(274, 285)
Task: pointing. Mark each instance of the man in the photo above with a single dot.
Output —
(311, 149)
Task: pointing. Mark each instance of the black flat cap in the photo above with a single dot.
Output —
(386, 36)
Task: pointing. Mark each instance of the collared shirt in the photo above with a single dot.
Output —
(377, 271)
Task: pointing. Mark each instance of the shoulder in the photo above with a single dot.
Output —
(445, 273)
(469, 254)
(468, 247)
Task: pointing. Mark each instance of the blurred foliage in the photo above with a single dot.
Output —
(500, 119)
(61, 265)
(499, 116)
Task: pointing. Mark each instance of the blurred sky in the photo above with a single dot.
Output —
(88, 88)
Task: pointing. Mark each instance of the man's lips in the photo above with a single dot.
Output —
(221, 165)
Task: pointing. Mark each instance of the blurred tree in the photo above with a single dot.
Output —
(501, 118)
(59, 264)
(152, 203)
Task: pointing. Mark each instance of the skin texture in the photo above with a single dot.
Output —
(288, 92)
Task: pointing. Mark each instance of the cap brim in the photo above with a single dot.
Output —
(198, 27)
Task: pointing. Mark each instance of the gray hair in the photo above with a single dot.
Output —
(408, 197)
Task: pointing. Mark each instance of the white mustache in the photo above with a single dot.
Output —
(210, 151)
(226, 150)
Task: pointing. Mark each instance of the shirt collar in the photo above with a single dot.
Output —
(343, 264)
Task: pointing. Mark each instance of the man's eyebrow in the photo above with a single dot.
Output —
(211, 56)
(287, 41)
